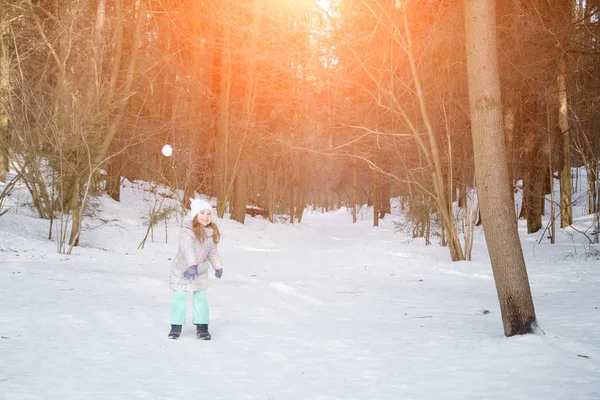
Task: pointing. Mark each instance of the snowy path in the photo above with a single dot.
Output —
(324, 310)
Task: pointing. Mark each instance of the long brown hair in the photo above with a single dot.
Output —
(201, 233)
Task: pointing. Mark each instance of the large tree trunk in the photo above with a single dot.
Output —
(4, 147)
(354, 192)
(301, 188)
(67, 138)
(223, 132)
(592, 197)
(114, 167)
(509, 134)
(4, 97)
(113, 178)
(384, 198)
(239, 200)
(566, 213)
(292, 193)
(534, 185)
(500, 227)
(118, 51)
(550, 184)
(375, 200)
(536, 158)
(76, 214)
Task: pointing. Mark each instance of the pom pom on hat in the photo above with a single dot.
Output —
(198, 205)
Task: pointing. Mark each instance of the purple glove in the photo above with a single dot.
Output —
(219, 273)
(191, 272)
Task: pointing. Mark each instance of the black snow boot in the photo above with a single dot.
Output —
(175, 331)
(202, 332)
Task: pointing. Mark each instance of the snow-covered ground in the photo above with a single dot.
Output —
(320, 310)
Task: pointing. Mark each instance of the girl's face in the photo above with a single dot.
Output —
(204, 217)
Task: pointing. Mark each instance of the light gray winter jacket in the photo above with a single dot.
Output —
(190, 252)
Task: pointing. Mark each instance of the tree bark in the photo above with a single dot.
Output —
(4, 98)
(239, 199)
(534, 185)
(566, 211)
(509, 134)
(534, 179)
(4, 147)
(301, 188)
(118, 51)
(222, 137)
(500, 227)
(375, 200)
(354, 192)
(113, 173)
(591, 179)
(292, 194)
(384, 198)
(550, 177)
(76, 214)
(113, 178)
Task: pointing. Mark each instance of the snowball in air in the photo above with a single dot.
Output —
(167, 150)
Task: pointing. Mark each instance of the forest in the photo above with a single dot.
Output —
(271, 106)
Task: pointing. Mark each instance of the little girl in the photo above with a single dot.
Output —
(189, 273)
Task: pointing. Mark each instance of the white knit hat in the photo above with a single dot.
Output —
(198, 205)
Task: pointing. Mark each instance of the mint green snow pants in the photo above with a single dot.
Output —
(178, 307)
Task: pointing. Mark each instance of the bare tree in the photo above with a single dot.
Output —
(566, 209)
(499, 219)
(4, 91)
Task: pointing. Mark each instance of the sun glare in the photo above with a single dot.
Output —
(303, 5)
(324, 4)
